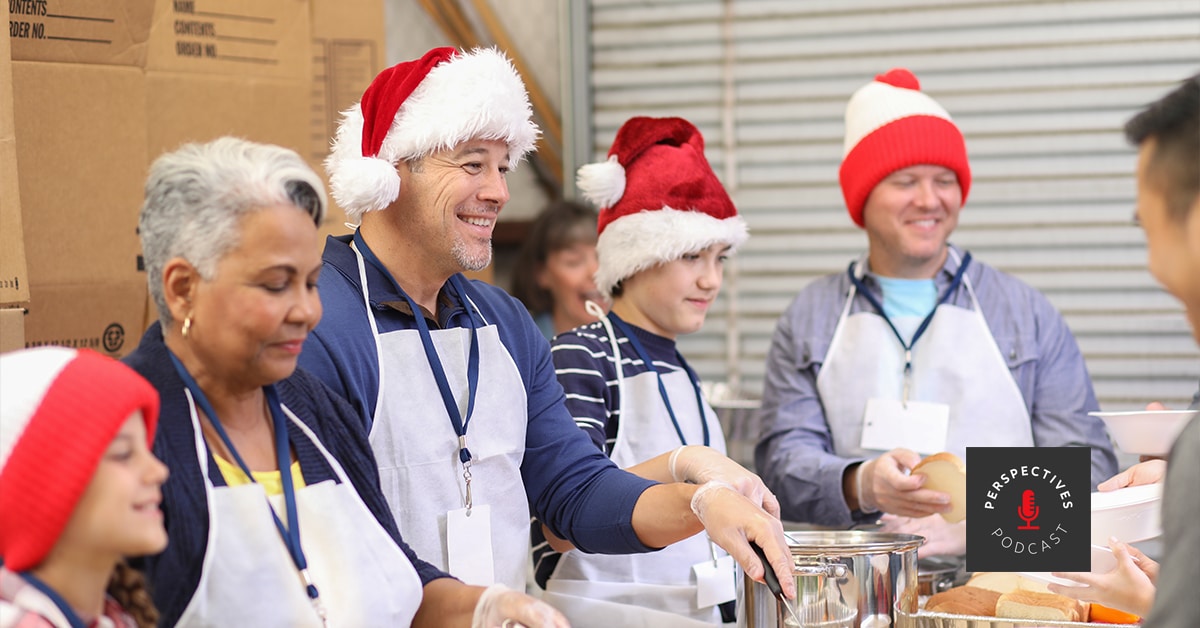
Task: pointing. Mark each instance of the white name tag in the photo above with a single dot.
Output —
(920, 426)
(469, 545)
(715, 583)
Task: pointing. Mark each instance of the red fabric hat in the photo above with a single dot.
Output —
(419, 107)
(388, 91)
(659, 199)
(890, 125)
(59, 411)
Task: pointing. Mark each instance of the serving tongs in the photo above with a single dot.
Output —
(773, 583)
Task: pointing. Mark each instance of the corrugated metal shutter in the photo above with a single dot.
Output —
(1040, 89)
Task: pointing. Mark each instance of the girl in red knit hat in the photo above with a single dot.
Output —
(79, 490)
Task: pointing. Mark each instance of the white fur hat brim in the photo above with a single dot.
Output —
(646, 239)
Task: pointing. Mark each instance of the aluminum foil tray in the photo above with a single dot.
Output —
(927, 619)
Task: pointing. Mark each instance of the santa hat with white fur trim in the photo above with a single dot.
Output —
(416, 108)
(59, 410)
(891, 124)
(659, 199)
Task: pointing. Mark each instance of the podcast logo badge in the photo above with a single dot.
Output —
(1029, 508)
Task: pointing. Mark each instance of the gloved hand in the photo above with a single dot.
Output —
(698, 464)
(500, 606)
(885, 485)
(1148, 472)
(941, 538)
(732, 522)
(1129, 587)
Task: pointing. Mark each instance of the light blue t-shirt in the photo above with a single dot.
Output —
(907, 297)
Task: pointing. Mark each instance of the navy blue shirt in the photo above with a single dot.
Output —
(570, 484)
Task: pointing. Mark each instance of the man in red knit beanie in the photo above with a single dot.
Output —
(916, 348)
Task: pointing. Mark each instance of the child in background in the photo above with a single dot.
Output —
(79, 490)
(554, 272)
(666, 227)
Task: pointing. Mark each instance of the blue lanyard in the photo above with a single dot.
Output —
(435, 363)
(291, 533)
(72, 617)
(662, 390)
(908, 346)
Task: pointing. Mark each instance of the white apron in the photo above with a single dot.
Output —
(417, 449)
(657, 589)
(249, 579)
(955, 362)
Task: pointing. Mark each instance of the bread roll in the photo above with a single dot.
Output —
(1040, 606)
(1004, 582)
(965, 600)
(946, 472)
(998, 581)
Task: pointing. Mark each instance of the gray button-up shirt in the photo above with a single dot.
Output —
(795, 455)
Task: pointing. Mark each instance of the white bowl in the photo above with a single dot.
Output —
(1145, 432)
(1129, 514)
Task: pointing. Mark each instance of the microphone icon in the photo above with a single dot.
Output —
(1028, 511)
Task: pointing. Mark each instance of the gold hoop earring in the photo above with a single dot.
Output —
(187, 325)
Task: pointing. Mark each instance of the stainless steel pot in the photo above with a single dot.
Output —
(844, 579)
(939, 573)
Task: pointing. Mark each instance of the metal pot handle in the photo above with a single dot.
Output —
(829, 570)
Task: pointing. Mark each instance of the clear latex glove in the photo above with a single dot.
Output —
(698, 464)
(941, 538)
(1148, 472)
(1129, 587)
(732, 521)
(502, 607)
(887, 486)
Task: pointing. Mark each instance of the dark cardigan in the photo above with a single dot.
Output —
(174, 574)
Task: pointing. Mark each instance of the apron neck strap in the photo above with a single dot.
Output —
(627, 330)
(291, 532)
(457, 420)
(73, 618)
(855, 278)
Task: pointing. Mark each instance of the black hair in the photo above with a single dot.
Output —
(1173, 122)
(304, 196)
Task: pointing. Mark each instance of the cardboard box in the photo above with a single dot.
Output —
(347, 53)
(14, 276)
(99, 89)
(12, 329)
(103, 319)
(227, 67)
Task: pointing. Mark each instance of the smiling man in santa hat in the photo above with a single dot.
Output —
(917, 348)
(452, 376)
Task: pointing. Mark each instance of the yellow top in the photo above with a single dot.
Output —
(271, 481)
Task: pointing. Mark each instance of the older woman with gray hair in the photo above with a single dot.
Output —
(273, 508)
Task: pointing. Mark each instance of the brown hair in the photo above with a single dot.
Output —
(560, 225)
(128, 587)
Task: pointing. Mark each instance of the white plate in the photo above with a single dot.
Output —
(1103, 561)
(1145, 432)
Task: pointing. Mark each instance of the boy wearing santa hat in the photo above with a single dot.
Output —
(452, 377)
(917, 348)
(666, 227)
